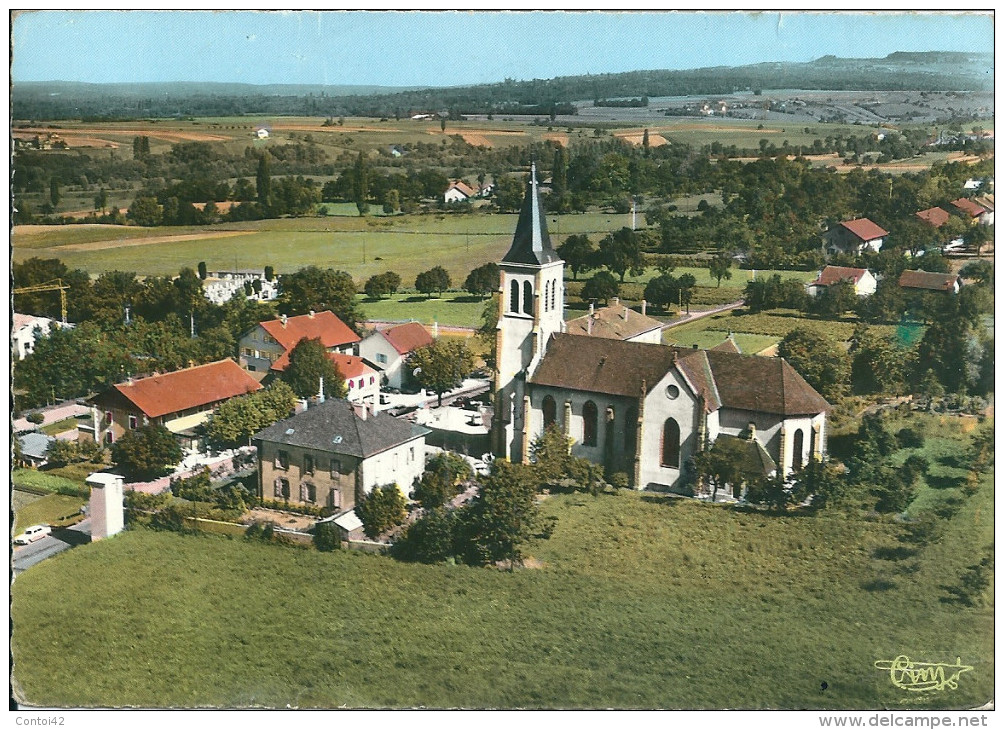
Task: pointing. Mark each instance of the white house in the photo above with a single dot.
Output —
(361, 381)
(387, 350)
(854, 237)
(863, 280)
(25, 329)
(458, 191)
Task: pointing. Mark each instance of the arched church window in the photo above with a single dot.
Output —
(527, 297)
(671, 444)
(797, 440)
(589, 417)
(547, 289)
(554, 287)
(550, 409)
(514, 297)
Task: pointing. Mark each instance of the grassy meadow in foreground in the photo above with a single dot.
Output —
(640, 601)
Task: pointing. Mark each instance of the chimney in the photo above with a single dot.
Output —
(320, 389)
(301, 405)
(592, 306)
(311, 314)
(644, 306)
(282, 318)
(360, 410)
(626, 310)
(589, 323)
(752, 430)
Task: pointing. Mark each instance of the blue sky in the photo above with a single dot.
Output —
(450, 48)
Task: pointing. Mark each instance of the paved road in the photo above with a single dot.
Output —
(61, 539)
(706, 313)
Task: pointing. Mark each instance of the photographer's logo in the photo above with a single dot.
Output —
(922, 676)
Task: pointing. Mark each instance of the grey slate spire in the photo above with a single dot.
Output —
(531, 244)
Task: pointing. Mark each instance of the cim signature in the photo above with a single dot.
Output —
(922, 676)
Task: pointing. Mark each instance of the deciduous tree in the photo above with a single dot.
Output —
(308, 363)
(147, 452)
(441, 366)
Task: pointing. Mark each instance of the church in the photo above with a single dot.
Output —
(634, 407)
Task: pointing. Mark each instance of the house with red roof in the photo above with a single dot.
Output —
(972, 211)
(362, 382)
(458, 192)
(387, 349)
(863, 280)
(930, 281)
(987, 203)
(180, 401)
(269, 341)
(936, 217)
(854, 237)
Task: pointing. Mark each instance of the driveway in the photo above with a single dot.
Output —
(61, 539)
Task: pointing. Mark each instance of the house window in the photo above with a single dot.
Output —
(282, 459)
(527, 297)
(308, 464)
(671, 444)
(381, 358)
(550, 411)
(281, 488)
(411, 455)
(361, 383)
(352, 384)
(797, 442)
(589, 416)
(514, 297)
(108, 437)
(336, 469)
(308, 492)
(372, 379)
(334, 499)
(133, 422)
(108, 418)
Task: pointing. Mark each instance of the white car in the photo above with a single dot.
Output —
(35, 532)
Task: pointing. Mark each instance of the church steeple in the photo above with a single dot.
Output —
(531, 244)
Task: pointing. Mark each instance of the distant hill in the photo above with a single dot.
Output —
(927, 71)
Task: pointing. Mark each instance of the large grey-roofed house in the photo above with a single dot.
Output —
(335, 452)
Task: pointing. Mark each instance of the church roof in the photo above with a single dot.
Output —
(531, 244)
(617, 322)
(732, 380)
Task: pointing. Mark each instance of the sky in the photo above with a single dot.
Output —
(424, 48)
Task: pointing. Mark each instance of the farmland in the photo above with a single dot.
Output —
(634, 605)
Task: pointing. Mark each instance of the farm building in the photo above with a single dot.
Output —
(637, 408)
(972, 211)
(180, 401)
(930, 281)
(863, 280)
(263, 346)
(458, 192)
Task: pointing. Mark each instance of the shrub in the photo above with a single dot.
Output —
(430, 539)
(35, 417)
(381, 509)
(327, 537)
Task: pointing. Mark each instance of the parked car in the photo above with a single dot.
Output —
(35, 532)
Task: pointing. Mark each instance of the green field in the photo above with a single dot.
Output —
(639, 601)
(52, 509)
(458, 309)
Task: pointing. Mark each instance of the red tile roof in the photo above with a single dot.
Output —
(407, 337)
(937, 217)
(833, 274)
(462, 187)
(194, 387)
(350, 366)
(969, 207)
(332, 331)
(865, 229)
(928, 280)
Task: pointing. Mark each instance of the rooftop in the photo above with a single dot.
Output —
(616, 322)
(937, 217)
(407, 337)
(969, 207)
(865, 229)
(928, 280)
(325, 325)
(531, 243)
(833, 274)
(193, 387)
(336, 427)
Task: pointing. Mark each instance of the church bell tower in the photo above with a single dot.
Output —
(531, 309)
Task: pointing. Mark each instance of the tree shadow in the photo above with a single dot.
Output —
(879, 585)
(944, 482)
(955, 461)
(467, 299)
(420, 298)
(899, 552)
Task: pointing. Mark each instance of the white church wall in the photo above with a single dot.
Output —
(671, 398)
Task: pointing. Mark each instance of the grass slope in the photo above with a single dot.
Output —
(641, 601)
